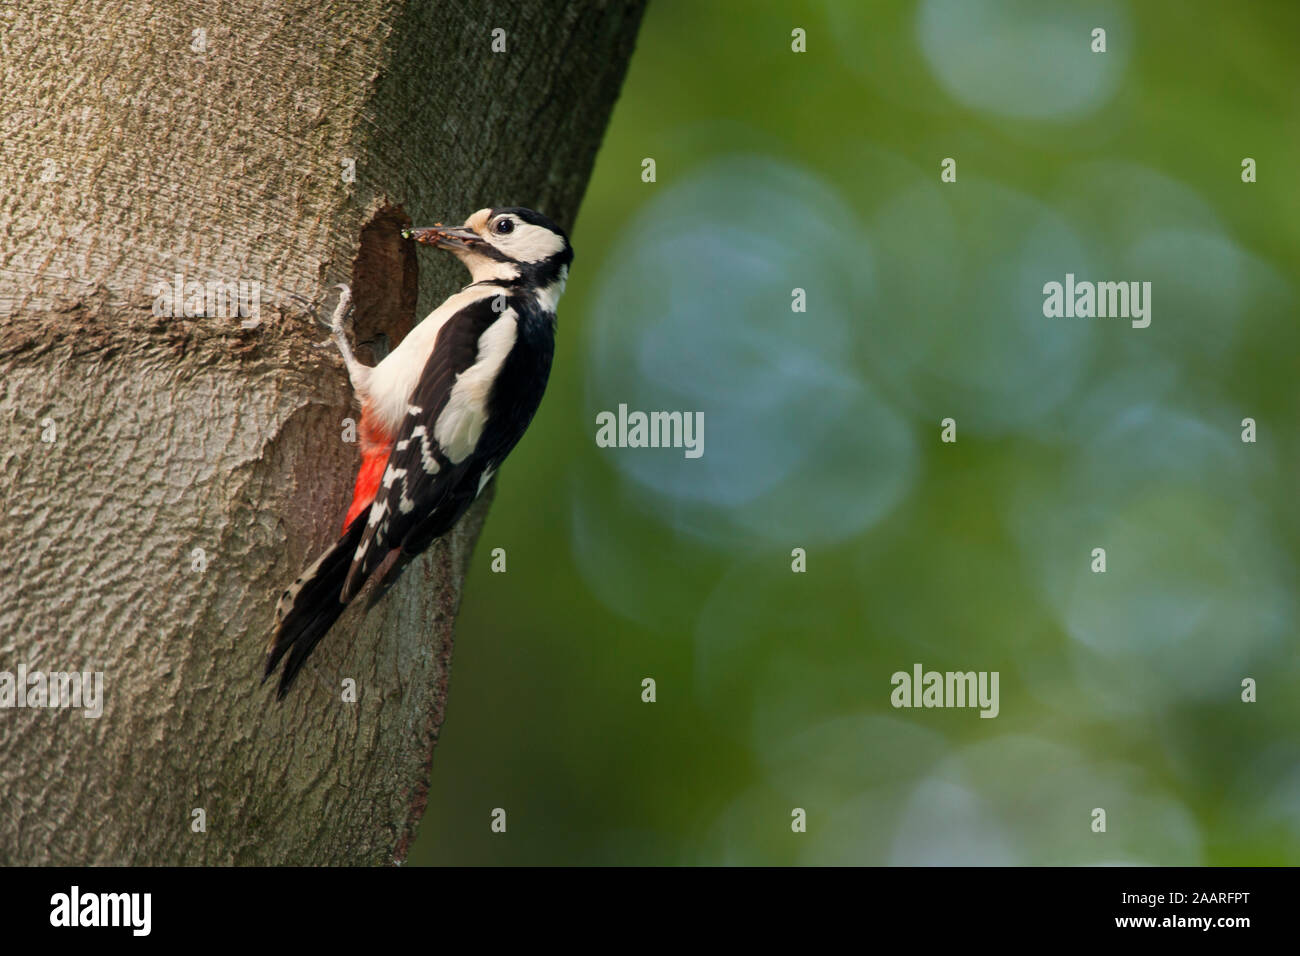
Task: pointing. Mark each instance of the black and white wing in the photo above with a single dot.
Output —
(435, 466)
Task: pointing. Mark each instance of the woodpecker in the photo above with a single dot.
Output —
(438, 414)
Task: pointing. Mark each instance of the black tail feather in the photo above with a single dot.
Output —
(386, 575)
(420, 538)
(309, 608)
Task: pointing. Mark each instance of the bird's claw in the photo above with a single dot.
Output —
(342, 313)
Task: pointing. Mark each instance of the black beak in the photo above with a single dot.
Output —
(444, 237)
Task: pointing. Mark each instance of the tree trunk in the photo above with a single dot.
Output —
(164, 478)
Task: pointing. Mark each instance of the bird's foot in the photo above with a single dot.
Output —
(338, 321)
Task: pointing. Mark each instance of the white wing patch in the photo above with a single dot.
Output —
(461, 423)
(393, 381)
(426, 459)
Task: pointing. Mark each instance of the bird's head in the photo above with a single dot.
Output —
(508, 244)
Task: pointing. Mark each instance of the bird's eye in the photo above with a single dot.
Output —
(504, 226)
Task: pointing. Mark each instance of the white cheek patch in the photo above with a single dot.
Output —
(530, 243)
(484, 269)
(461, 423)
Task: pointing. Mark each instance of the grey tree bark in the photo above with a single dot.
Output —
(162, 479)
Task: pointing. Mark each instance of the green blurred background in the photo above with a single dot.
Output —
(820, 171)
